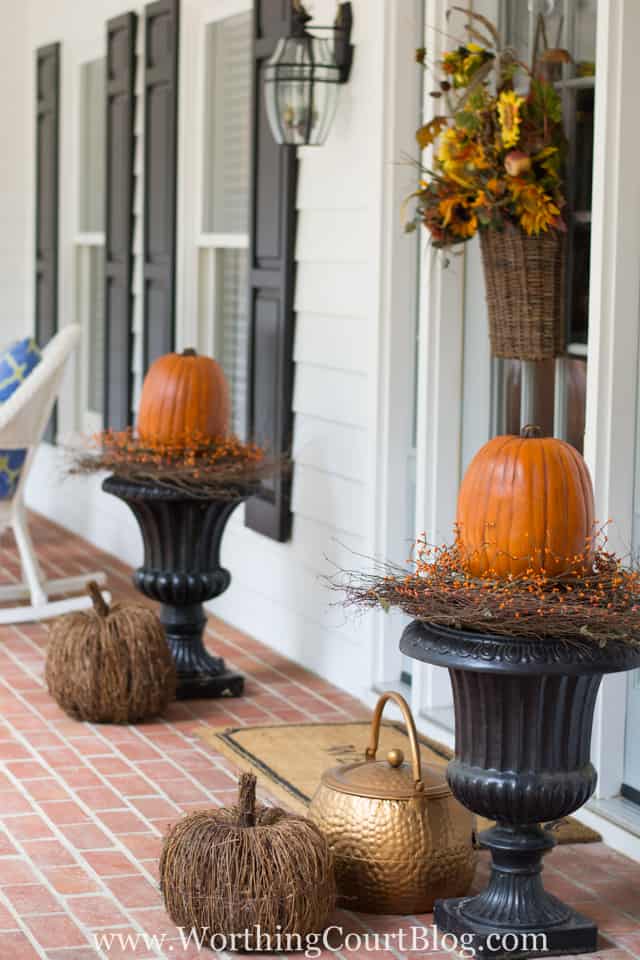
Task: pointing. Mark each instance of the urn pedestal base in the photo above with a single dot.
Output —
(577, 934)
(515, 916)
(181, 569)
(200, 674)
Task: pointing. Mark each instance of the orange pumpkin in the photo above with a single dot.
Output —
(184, 395)
(525, 503)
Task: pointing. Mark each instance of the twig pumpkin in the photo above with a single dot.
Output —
(229, 871)
(185, 396)
(526, 504)
(110, 665)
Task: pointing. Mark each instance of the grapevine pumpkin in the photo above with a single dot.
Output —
(247, 872)
(526, 503)
(110, 664)
(184, 396)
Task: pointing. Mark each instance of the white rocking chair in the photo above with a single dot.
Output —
(23, 418)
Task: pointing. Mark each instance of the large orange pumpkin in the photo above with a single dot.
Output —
(525, 502)
(184, 395)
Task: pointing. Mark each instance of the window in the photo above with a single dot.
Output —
(223, 230)
(89, 241)
(550, 393)
(466, 396)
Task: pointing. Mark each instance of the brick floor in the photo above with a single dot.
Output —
(83, 807)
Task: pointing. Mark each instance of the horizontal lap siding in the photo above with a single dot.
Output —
(331, 447)
(16, 223)
(277, 592)
(317, 337)
(282, 585)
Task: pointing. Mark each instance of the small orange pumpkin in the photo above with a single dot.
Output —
(525, 503)
(184, 395)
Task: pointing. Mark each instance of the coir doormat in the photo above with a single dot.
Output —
(289, 759)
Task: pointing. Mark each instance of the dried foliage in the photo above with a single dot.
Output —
(230, 870)
(203, 468)
(498, 142)
(596, 600)
(110, 665)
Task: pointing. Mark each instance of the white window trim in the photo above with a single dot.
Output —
(90, 422)
(440, 392)
(610, 441)
(391, 392)
(195, 315)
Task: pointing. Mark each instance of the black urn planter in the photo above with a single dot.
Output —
(523, 715)
(181, 570)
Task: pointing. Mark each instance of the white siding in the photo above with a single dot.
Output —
(16, 115)
(277, 592)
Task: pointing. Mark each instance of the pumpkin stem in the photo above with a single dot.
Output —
(100, 605)
(190, 352)
(247, 800)
(531, 432)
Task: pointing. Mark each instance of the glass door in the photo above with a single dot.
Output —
(502, 395)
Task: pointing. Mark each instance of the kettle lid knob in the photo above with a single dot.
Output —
(395, 758)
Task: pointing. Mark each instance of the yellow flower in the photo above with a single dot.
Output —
(457, 214)
(465, 227)
(450, 143)
(535, 208)
(462, 64)
(509, 104)
(447, 207)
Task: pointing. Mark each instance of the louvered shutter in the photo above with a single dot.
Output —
(271, 282)
(121, 46)
(47, 198)
(160, 176)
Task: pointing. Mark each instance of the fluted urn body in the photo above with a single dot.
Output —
(524, 714)
(181, 569)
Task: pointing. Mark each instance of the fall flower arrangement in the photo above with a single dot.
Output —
(595, 601)
(199, 466)
(497, 151)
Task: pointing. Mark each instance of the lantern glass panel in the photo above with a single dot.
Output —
(301, 90)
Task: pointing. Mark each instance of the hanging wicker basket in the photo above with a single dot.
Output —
(524, 279)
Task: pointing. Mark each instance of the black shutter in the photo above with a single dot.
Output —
(47, 198)
(271, 282)
(160, 175)
(120, 94)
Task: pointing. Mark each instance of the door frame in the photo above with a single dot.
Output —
(612, 371)
(611, 416)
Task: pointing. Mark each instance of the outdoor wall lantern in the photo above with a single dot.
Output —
(302, 78)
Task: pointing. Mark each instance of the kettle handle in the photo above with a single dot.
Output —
(372, 749)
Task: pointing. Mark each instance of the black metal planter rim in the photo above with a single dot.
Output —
(136, 490)
(490, 653)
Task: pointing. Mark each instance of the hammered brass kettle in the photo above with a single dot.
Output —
(400, 840)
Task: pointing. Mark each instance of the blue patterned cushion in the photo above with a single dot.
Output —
(16, 363)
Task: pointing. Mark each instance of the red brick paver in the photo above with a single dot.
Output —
(83, 807)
